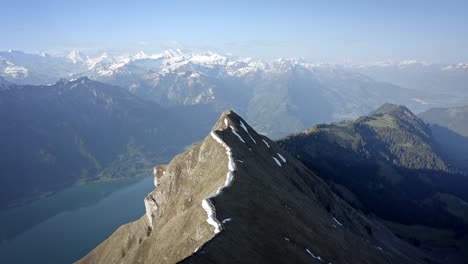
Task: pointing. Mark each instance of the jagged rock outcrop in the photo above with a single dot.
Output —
(237, 197)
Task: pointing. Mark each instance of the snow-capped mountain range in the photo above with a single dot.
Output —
(276, 96)
(19, 66)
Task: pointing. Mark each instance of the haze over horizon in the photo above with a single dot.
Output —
(334, 31)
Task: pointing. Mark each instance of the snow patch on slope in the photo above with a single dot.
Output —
(246, 130)
(281, 157)
(211, 213)
(314, 256)
(338, 222)
(235, 133)
(277, 161)
(206, 203)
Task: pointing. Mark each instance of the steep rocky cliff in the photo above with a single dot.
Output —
(237, 197)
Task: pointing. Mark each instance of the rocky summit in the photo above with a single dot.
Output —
(237, 197)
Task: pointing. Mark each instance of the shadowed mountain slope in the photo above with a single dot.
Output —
(390, 163)
(455, 118)
(73, 131)
(237, 197)
(389, 159)
(450, 129)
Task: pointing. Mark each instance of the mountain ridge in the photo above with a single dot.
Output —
(286, 88)
(80, 130)
(390, 135)
(390, 164)
(244, 220)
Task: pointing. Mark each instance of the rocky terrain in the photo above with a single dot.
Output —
(237, 197)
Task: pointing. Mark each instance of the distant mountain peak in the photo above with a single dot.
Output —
(141, 55)
(389, 108)
(75, 57)
(82, 79)
(79, 82)
(75, 80)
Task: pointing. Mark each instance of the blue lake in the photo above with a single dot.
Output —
(64, 227)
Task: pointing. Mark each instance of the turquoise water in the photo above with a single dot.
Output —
(65, 226)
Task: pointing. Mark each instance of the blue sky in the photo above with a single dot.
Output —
(333, 31)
